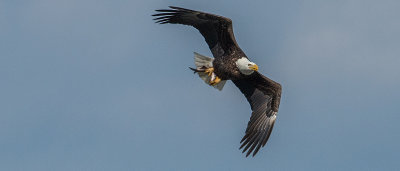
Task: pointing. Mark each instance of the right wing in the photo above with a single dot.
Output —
(264, 95)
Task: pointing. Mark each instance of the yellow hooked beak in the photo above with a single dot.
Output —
(254, 67)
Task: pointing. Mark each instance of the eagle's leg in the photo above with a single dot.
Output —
(214, 79)
(209, 71)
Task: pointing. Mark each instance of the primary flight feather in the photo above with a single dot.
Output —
(231, 63)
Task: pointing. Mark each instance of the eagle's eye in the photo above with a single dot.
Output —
(248, 64)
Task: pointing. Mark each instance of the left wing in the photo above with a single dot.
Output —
(216, 30)
(264, 95)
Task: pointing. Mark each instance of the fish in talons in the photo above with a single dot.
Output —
(205, 70)
(207, 74)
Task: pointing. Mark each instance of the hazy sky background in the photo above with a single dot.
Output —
(96, 85)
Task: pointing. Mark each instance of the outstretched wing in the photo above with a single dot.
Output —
(263, 95)
(216, 30)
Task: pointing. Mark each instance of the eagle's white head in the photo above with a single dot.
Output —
(245, 66)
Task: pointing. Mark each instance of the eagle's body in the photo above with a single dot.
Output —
(225, 67)
(231, 63)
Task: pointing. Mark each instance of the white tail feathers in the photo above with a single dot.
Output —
(200, 61)
(204, 62)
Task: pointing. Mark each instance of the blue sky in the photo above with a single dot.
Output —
(96, 85)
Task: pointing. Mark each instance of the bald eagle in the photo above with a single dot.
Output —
(231, 63)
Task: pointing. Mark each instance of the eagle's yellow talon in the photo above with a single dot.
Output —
(215, 81)
(209, 71)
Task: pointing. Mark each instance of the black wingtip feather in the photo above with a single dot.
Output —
(248, 139)
(254, 145)
(166, 15)
(250, 142)
(180, 9)
(166, 10)
(162, 21)
(245, 136)
(163, 14)
(259, 143)
(162, 17)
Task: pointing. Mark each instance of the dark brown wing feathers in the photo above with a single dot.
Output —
(263, 95)
(216, 30)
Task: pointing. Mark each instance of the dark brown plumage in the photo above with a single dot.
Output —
(262, 93)
(264, 96)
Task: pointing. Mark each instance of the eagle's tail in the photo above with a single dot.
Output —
(202, 63)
